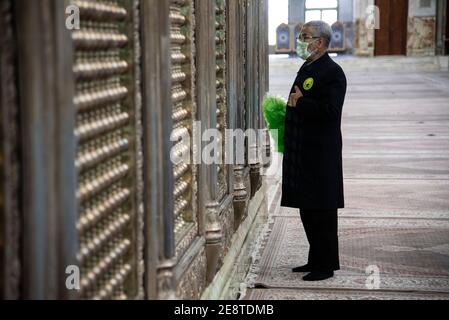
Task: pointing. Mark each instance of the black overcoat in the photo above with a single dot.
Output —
(312, 172)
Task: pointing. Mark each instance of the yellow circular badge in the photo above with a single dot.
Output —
(308, 84)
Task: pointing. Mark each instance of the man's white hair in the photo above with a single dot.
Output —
(321, 29)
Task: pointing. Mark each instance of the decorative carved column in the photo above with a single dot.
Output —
(45, 58)
(10, 163)
(241, 195)
(264, 80)
(166, 280)
(214, 237)
(241, 188)
(207, 111)
(253, 105)
(160, 280)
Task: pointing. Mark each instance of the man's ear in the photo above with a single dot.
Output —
(322, 44)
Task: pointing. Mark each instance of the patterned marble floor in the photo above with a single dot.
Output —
(394, 231)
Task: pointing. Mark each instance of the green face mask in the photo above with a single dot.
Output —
(303, 50)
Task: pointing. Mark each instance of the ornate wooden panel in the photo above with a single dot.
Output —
(108, 160)
(221, 53)
(183, 95)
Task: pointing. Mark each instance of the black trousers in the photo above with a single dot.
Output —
(321, 228)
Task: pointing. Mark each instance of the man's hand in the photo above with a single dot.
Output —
(294, 97)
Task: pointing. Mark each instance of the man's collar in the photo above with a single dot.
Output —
(324, 57)
(317, 62)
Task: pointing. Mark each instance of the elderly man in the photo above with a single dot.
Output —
(312, 163)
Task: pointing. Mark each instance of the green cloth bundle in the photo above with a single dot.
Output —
(274, 110)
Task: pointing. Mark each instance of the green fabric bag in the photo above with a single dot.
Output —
(274, 110)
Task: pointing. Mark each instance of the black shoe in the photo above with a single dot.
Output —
(305, 268)
(318, 276)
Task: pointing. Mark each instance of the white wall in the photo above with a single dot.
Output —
(278, 13)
